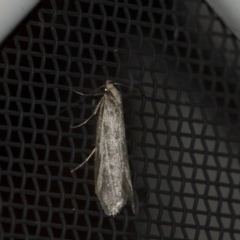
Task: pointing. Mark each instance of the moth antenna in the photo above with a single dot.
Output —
(160, 99)
(89, 94)
(123, 85)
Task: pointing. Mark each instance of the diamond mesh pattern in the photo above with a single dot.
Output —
(183, 127)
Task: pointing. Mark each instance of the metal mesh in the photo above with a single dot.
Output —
(183, 124)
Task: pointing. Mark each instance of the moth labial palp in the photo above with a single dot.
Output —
(113, 184)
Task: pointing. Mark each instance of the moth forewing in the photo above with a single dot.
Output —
(113, 184)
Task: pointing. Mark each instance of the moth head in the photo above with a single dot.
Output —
(109, 88)
(109, 85)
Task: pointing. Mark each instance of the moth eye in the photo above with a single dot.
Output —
(106, 89)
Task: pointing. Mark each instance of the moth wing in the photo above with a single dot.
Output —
(113, 184)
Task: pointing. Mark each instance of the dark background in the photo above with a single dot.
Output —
(182, 124)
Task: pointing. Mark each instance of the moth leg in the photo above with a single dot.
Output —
(79, 93)
(94, 113)
(84, 161)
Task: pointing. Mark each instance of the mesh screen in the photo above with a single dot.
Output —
(182, 124)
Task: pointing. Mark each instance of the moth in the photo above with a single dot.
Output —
(113, 184)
